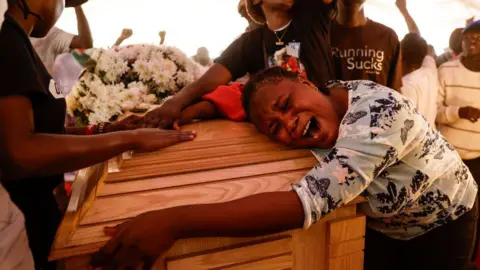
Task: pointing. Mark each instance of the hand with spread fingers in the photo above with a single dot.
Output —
(139, 242)
(162, 117)
(152, 139)
(130, 123)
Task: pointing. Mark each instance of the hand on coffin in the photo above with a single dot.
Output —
(162, 117)
(152, 139)
(130, 123)
(140, 241)
(202, 110)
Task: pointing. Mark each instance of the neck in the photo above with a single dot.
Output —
(276, 19)
(351, 15)
(472, 63)
(339, 96)
(27, 25)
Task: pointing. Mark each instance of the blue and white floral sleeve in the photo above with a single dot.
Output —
(374, 135)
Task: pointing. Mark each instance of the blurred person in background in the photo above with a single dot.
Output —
(454, 49)
(363, 49)
(58, 42)
(420, 75)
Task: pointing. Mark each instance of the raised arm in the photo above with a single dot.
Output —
(126, 34)
(24, 153)
(84, 38)
(412, 26)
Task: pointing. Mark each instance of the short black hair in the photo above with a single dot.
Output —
(455, 42)
(414, 49)
(273, 75)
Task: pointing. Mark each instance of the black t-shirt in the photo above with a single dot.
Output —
(23, 73)
(369, 52)
(305, 50)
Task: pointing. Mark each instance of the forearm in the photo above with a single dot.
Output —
(118, 42)
(217, 75)
(84, 32)
(447, 114)
(46, 154)
(412, 25)
(256, 215)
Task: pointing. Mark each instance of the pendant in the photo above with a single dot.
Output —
(279, 43)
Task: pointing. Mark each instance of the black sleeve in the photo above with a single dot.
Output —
(315, 9)
(239, 56)
(18, 70)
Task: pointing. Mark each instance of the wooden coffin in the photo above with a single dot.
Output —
(227, 161)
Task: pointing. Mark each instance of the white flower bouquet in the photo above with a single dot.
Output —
(129, 79)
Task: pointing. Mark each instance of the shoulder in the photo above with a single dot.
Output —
(17, 46)
(378, 114)
(382, 30)
(450, 68)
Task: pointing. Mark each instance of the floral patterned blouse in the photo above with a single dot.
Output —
(386, 151)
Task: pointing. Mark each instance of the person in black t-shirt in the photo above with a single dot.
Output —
(34, 150)
(295, 35)
(364, 49)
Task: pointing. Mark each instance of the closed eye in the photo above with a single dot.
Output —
(273, 128)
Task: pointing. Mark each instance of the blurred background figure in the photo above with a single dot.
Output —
(420, 75)
(203, 57)
(162, 35)
(126, 34)
(454, 48)
(58, 41)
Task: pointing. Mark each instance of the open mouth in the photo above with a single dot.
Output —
(311, 129)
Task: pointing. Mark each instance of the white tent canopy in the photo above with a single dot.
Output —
(215, 23)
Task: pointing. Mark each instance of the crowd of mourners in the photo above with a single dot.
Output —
(400, 122)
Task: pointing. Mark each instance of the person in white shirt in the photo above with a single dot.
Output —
(459, 99)
(15, 252)
(420, 75)
(58, 42)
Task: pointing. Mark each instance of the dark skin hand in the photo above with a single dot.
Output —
(469, 113)
(24, 153)
(170, 111)
(202, 110)
(141, 241)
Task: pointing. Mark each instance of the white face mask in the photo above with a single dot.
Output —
(3, 9)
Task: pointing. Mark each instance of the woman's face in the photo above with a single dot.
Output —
(296, 114)
(49, 11)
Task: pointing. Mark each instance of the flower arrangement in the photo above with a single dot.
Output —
(129, 79)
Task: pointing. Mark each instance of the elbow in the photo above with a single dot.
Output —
(19, 161)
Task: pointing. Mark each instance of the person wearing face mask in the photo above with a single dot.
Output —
(34, 148)
(422, 200)
(363, 49)
(292, 29)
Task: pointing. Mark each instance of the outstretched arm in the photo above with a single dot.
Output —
(412, 26)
